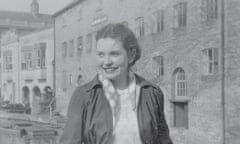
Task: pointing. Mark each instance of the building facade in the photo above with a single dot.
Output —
(36, 69)
(23, 23)
(10, 67)
(181, 52)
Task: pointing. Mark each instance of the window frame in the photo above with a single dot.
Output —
(180, 15)
(89, 43)
(79, 45)
(159, 21)
(71, 48)
(210, 56)
(210, 10)
(139, 26)
(64, 50)
(158, 61)
(180, 84)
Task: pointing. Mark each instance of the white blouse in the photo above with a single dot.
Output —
(126, 130)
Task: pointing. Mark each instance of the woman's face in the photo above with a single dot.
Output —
(113, 59)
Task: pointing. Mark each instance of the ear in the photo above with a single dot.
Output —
(132, 56)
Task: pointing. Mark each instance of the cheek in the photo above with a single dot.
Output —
(123, 62)
(99, 61)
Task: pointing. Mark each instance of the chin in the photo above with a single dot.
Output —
(111, 76)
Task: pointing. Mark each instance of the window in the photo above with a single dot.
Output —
(38, 58)
(180, 83)
(64, 80)
(79, 45)
(4, 87)
(79, 79)
(7, 60)
(210, 61)
(210, 9)
(71, 48)
(158, 66)
(43, 47)
(180, 102)
(89, 43)
(40, 55)
(79, 13)
(64, 21)
(64, 50)
(70, 79)
(29, 60)
(139, 27)
(159, 21)
(24, 60)
(180, 110)
(180, 15)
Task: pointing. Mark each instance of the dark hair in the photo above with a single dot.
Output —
(125, 36)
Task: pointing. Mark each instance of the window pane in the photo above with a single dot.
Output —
(181, 83)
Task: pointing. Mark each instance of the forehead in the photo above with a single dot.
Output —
(109, 44)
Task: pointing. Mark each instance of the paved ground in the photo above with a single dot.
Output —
(23, 128)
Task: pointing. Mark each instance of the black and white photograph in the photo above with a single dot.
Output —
(119, 71)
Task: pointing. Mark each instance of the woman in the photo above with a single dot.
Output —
(117, 106)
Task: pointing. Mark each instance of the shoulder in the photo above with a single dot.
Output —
(142, 82)
(151, 87)
(81, 94)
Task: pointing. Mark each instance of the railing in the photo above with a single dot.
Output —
(52, 106)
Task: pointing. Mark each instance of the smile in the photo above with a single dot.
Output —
(110, 69)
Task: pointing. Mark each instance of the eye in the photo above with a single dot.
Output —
(100, 54)
(115, 53)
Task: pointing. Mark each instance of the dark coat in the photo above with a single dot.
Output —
(90, 116)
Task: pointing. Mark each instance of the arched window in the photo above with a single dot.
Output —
(180, 83)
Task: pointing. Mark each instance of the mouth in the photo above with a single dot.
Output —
(110, 69)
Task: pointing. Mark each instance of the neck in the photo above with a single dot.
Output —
(121, 83)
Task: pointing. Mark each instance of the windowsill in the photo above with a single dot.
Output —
(42, 79)
(208, 24)
(180, 28)
(28, 80)
(157, 33)
(209, 77)
(178, 31)
(180, 99)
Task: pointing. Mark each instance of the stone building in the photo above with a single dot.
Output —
(10, 67)
(22, 23)
(181, 52)
(36, 56)
(27, 75)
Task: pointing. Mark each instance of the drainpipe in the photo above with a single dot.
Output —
(223, 72)
(54, 61)
(19, 70)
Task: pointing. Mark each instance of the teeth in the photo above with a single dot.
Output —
(109, 69)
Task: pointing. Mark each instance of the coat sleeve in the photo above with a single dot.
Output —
(163, 130)
(73, 130)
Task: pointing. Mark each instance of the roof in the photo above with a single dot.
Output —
(67, 7)
(24, 17)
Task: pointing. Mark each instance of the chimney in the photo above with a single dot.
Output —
(34, 8)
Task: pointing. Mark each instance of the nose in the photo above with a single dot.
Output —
(107, 61)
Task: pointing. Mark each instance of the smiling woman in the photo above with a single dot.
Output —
(117, 106)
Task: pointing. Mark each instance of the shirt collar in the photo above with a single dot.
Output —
(139, 81)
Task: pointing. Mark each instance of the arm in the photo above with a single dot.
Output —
(73, 130)
(163, 131)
